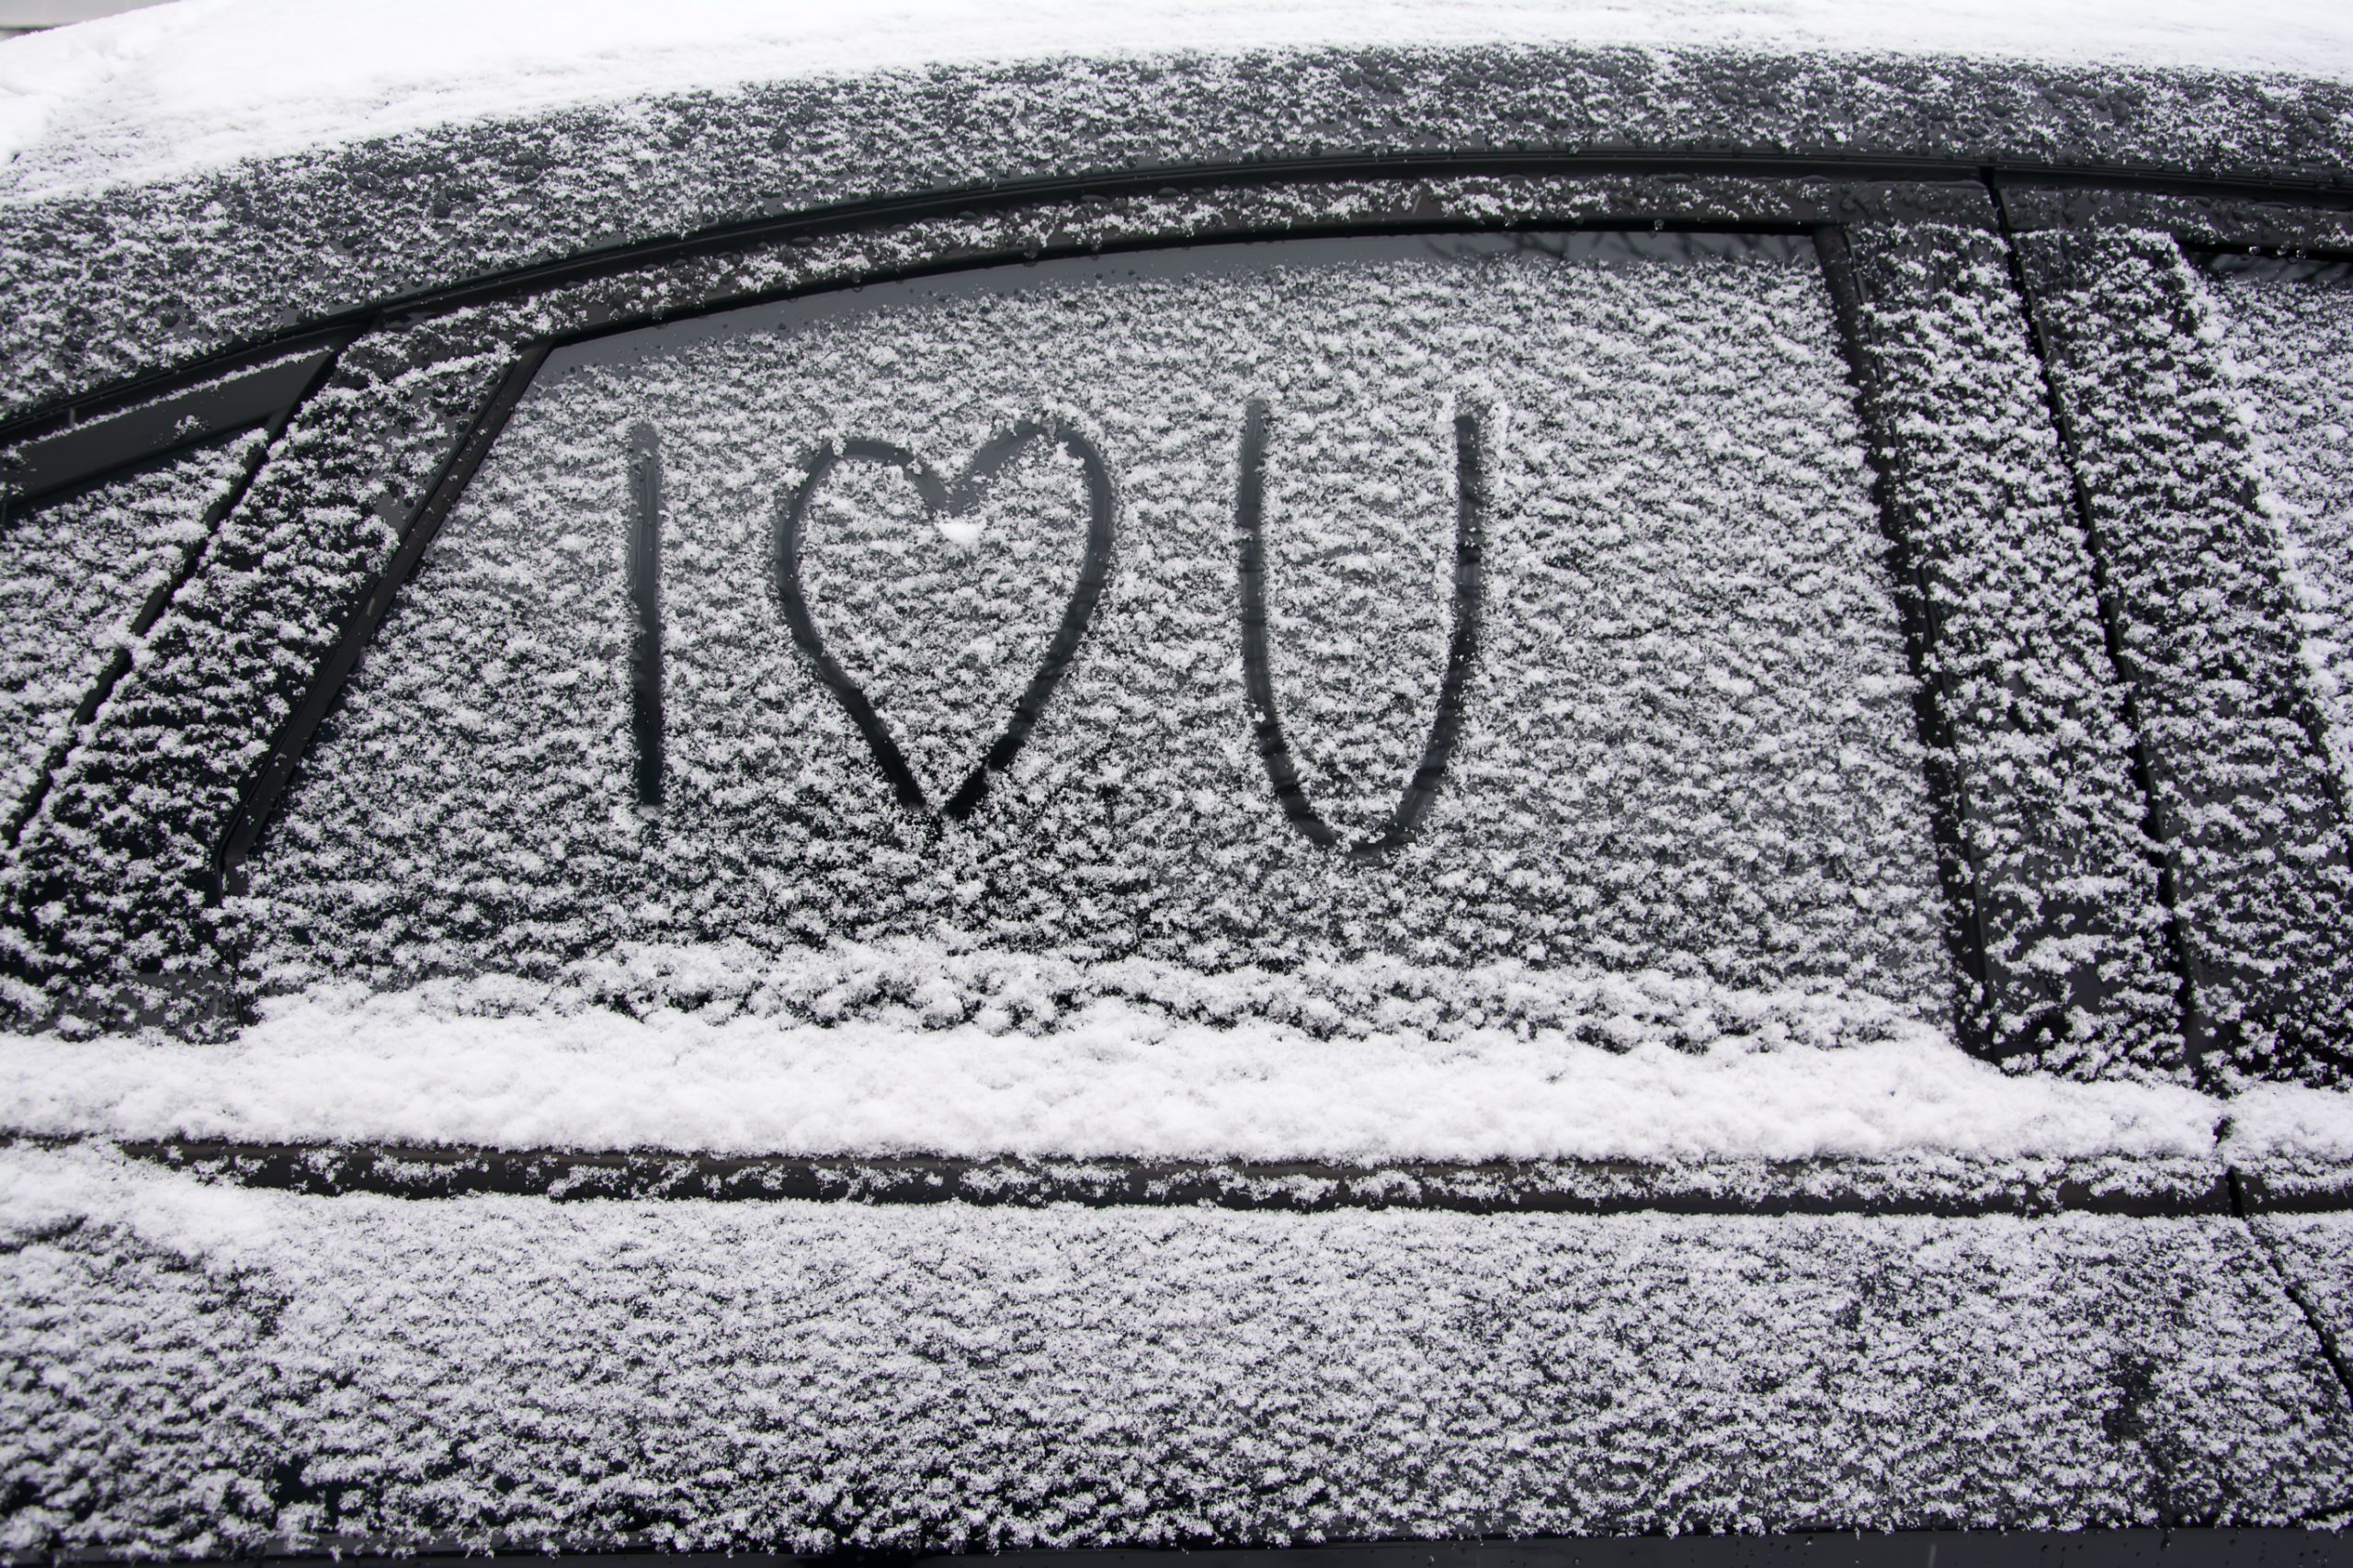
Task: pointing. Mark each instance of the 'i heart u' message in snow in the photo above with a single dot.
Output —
(897, 574)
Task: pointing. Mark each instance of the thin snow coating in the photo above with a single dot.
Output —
(204, 1369)
(1687, 743)
(2246, 804)
(2316, 1251)
(98, 881)
(2060, 899)
(1845, 642)
(75, 574)
(205, 83)
(2291, 346)
(112, 879)
(1119, 1077)
(111, 280)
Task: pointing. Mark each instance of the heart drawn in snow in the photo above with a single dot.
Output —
(926, 609)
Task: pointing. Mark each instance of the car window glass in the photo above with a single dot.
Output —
(1686, 738)
(2289, 330)
(77, 572)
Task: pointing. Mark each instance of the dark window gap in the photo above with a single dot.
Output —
(645, 608)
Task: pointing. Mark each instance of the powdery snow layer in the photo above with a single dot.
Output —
(208, 1369)
(76, 573)
(2060, 895)
(112, 282)
(2289, 1123)
(1686, 743)
(95, 876)
(2289, 339)
(2316, 1252)
(1119, 1077)
(2243, 795)
(206, 82)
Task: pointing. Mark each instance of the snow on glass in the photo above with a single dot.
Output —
(2243, 795)
(2292, 339)
(1686, 743)
(75, 574)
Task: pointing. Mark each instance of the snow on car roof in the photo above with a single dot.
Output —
(202, 84)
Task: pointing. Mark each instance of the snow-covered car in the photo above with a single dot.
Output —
(1229, 776)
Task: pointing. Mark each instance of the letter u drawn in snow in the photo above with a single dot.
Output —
(1258, 675)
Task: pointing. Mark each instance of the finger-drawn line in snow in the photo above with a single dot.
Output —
(944, 499)
(645, 563)
(1258, 674)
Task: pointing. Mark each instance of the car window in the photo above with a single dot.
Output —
(1603, 493)
(79, 573)
(2289, 328)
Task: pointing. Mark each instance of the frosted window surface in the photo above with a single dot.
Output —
(2290, 329)
(74, 573)
(1687, 743)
